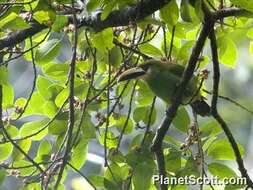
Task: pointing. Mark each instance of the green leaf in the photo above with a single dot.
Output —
(222, 150)
(59, 23)
(54, 90)
(173, 161)
(8, 96)
(12, 131)
(184, 11)
(144, 94)
(110, 185)
(24, 171)
(182, 120)
(44, 149)
(30, 128)
(59, 125)
(170, 13)
(184, 51)
(227, 51)
(50, 109)
(5, 151)
(96, 180)
(208, 142)
(120, 172)
(111, 141)
(115, 56)
(31, 4)
(142, 114)
(92, 5)
(55, 70)
(34, 106)
(13, 22)
(2, 175)
(42, 85)
(108, 8)
(210, 129)
(78, 157)
(191, 168)
(121, 123)
(198, 9)
(142, 175)
(62, 97)
(44, 17)
(103, 40)
(3, 75)
(88, 127)
(25, 145)
(48, 51)
(245, 4)
(151, 50)
(221, 171)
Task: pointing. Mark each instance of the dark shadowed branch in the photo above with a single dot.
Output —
(216, 115)
(116, 18)
(71, 117)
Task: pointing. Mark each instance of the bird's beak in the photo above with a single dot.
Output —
(133, 73)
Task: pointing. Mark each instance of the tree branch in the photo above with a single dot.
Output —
(115, 18)
(216, 80)
(20, 35)
(71, 117)
(227, 12)
(172, 110)
(124, 16)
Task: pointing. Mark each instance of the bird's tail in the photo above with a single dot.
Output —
(201, 107)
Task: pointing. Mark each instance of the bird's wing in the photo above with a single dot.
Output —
(177, 69)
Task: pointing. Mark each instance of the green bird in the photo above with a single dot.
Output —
(163, 78)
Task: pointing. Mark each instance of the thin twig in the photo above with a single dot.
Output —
(71, 119)
(81, 174)
(232, 101)
(172, 42)
(128, 115)
(149, 121)
(34, 82)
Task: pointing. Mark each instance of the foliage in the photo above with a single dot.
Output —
(106, 112)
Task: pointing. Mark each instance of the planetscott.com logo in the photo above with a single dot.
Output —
(193, 180)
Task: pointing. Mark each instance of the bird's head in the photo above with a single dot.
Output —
(142, 71)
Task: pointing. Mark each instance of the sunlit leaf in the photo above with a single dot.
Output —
(151, 50)
(227, 51)
(8, 96)
(184, 11)
(121, 124)
(25, 145)
(182, 120)
(222, 150)
(170, 13)
(30, 128)
(5, 151)
(2, 175)
(48, 51)
(3, 75)
(103, 40)
(59, 23)
(78, 157)
(220, 170)
(245, 4)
